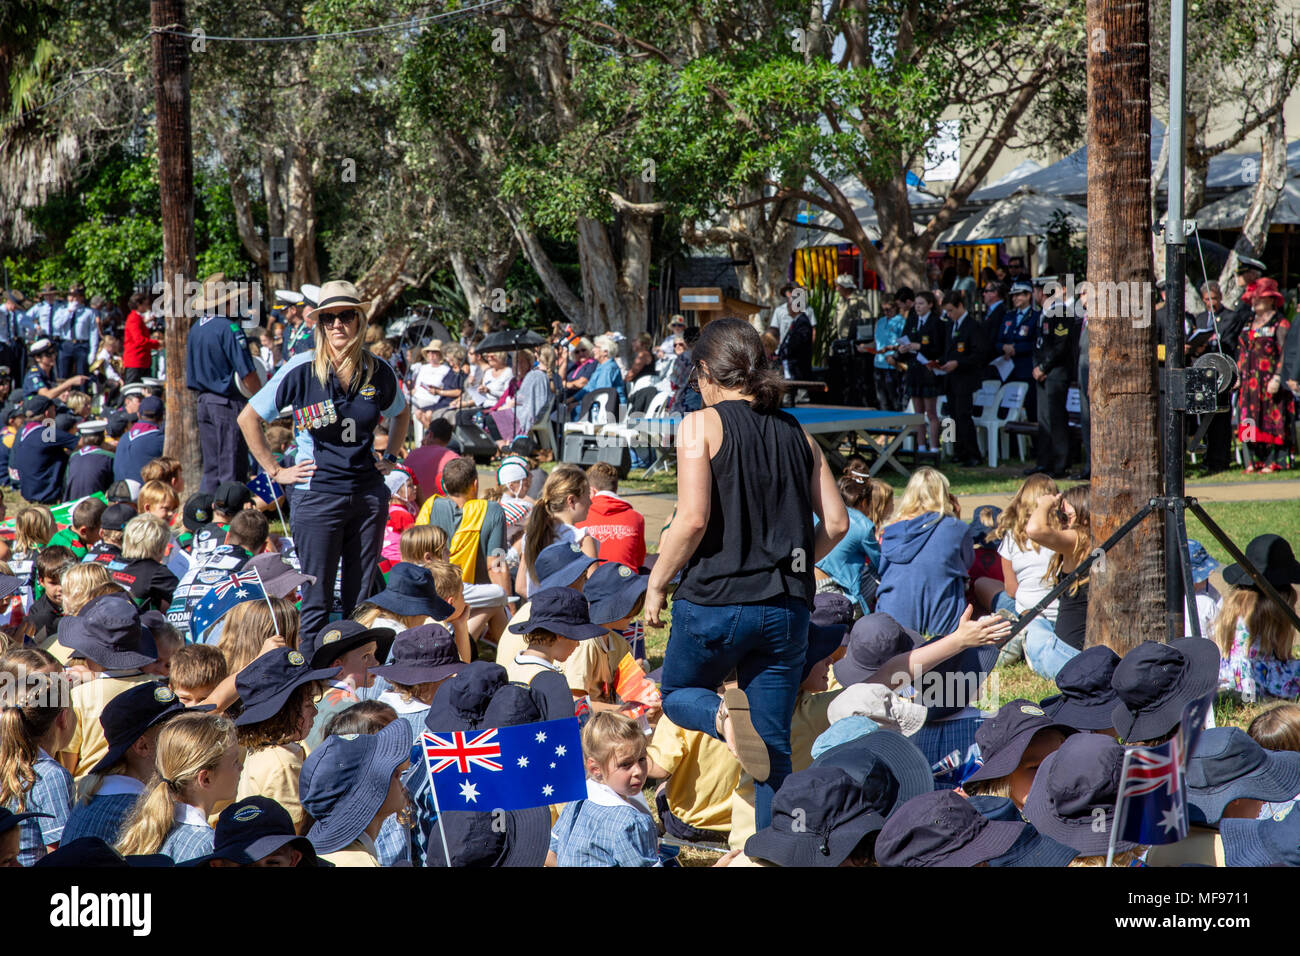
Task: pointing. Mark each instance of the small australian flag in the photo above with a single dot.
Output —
(266, 489)
(225, 594)
(506, 768)
(1152, 805)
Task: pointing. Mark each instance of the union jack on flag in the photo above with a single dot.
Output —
(455, 749)
(242, 579)
(1152, 803)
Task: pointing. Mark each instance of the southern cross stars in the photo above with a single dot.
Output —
(560, 751)
(469, 792)
(541, 736)
(523, 761)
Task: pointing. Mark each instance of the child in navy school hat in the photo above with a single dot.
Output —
(1155, 681)
(1208, 600)
(1272, 841)
(1013, 744)
(131, 722)
(1086, 700)
(11, 835)
(616, 595)
(257, 831)
(558, 620)
(354, 649)
(1229, 777)
(560, 565)
(350, 785)
(278, 693)
(421, 659)
(1072, 799)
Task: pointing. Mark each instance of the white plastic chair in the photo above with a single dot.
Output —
(1010, 408)
(984, 413)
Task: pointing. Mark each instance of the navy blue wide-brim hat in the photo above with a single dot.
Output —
(1075, 790)
(1273, 841)
(560, 564)
(345, 781)
(819, 816)
(410, 591)
(862, 758)
(1228, 765)
(561, 611)
(613, 591)
(1086, 699)
(1005, 737)
(339, 637)
(269, 680)
(130, 714)
(91, 852)
(515, 838)
(420, 655)
(9, 819)
(462, 700)
(873, 641)
(1155, 681)
(1033, 849)
(108, 632)
(941, 829)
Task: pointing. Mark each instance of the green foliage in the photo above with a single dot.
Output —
(1060, 238)
(822, 301)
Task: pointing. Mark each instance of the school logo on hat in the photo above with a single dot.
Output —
(211, 576)
(574, 548)
(367, 391)
(348, 736)
(200, 514)
(245, 814)
(164, 695)
(1031, 710)
(296, 659)
(1283, 813)
(330, 637)
(624, 571)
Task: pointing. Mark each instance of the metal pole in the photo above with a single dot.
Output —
(1175, 282)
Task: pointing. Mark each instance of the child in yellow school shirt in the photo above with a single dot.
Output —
(616, 594)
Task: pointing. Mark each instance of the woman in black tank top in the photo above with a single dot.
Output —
(1069, 534)
(749, 481)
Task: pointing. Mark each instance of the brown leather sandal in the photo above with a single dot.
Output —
(750, 750)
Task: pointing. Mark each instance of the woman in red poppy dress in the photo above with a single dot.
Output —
(1264, 405)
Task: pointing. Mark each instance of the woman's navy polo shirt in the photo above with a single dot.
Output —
(342, 468)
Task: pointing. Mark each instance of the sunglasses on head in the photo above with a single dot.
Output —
(343, 317)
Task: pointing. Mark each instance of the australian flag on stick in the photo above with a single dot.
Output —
(266, 489)
(1152, 804)
(506, 768)
(225, 594)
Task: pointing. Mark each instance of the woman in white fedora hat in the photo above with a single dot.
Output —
(339, 393)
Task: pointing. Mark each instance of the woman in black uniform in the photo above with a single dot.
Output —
(927, 339)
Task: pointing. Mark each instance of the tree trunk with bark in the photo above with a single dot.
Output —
(1126, 602)
(171, 71)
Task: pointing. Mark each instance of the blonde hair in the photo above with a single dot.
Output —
(447, 580)
(546, 357)
(367, 614)
(540, 530)
(421, 539)
(79, 583)
(187, 745)
(1126, 858)
(1270, 630)
(926, 492)
(198, 667)
(249, 624)
(354, 360)
(157, 492)
(145, 536)
(1015, 516)
(33, 528)
(997, 787)
(606, 732)
(162, 469)
(37, 703)
(882, 502)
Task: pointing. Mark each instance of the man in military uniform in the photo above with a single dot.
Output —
(962, 363)
(850, 308)
(90, 469)
(13, 315)
(40, 454)
(1053, 354)
(1016, 337)
(40, 317)
(216, 353)
(76, 332)
(128, 413)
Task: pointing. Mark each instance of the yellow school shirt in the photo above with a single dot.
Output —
(704, 775)
(360, 852)
(808, 723)
(88, 702)
(1202, 846)
(273, 772)
(592, 668)
(512, 644)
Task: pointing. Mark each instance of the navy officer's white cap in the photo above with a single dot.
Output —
(93, 427)
(41, 345)
(152, 382)
(135, 388)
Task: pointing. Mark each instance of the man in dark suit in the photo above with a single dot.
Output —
(995, 308)
(962, 363)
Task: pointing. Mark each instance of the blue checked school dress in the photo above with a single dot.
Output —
(52, 794)
(190, 838)
(604, 830)
(102, 817)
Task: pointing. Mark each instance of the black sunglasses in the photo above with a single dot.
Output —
(345, 316)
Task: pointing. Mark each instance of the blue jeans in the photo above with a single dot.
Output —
(765, 644)
(1045, 653)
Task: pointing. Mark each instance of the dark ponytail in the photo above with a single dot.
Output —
(733, 353)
